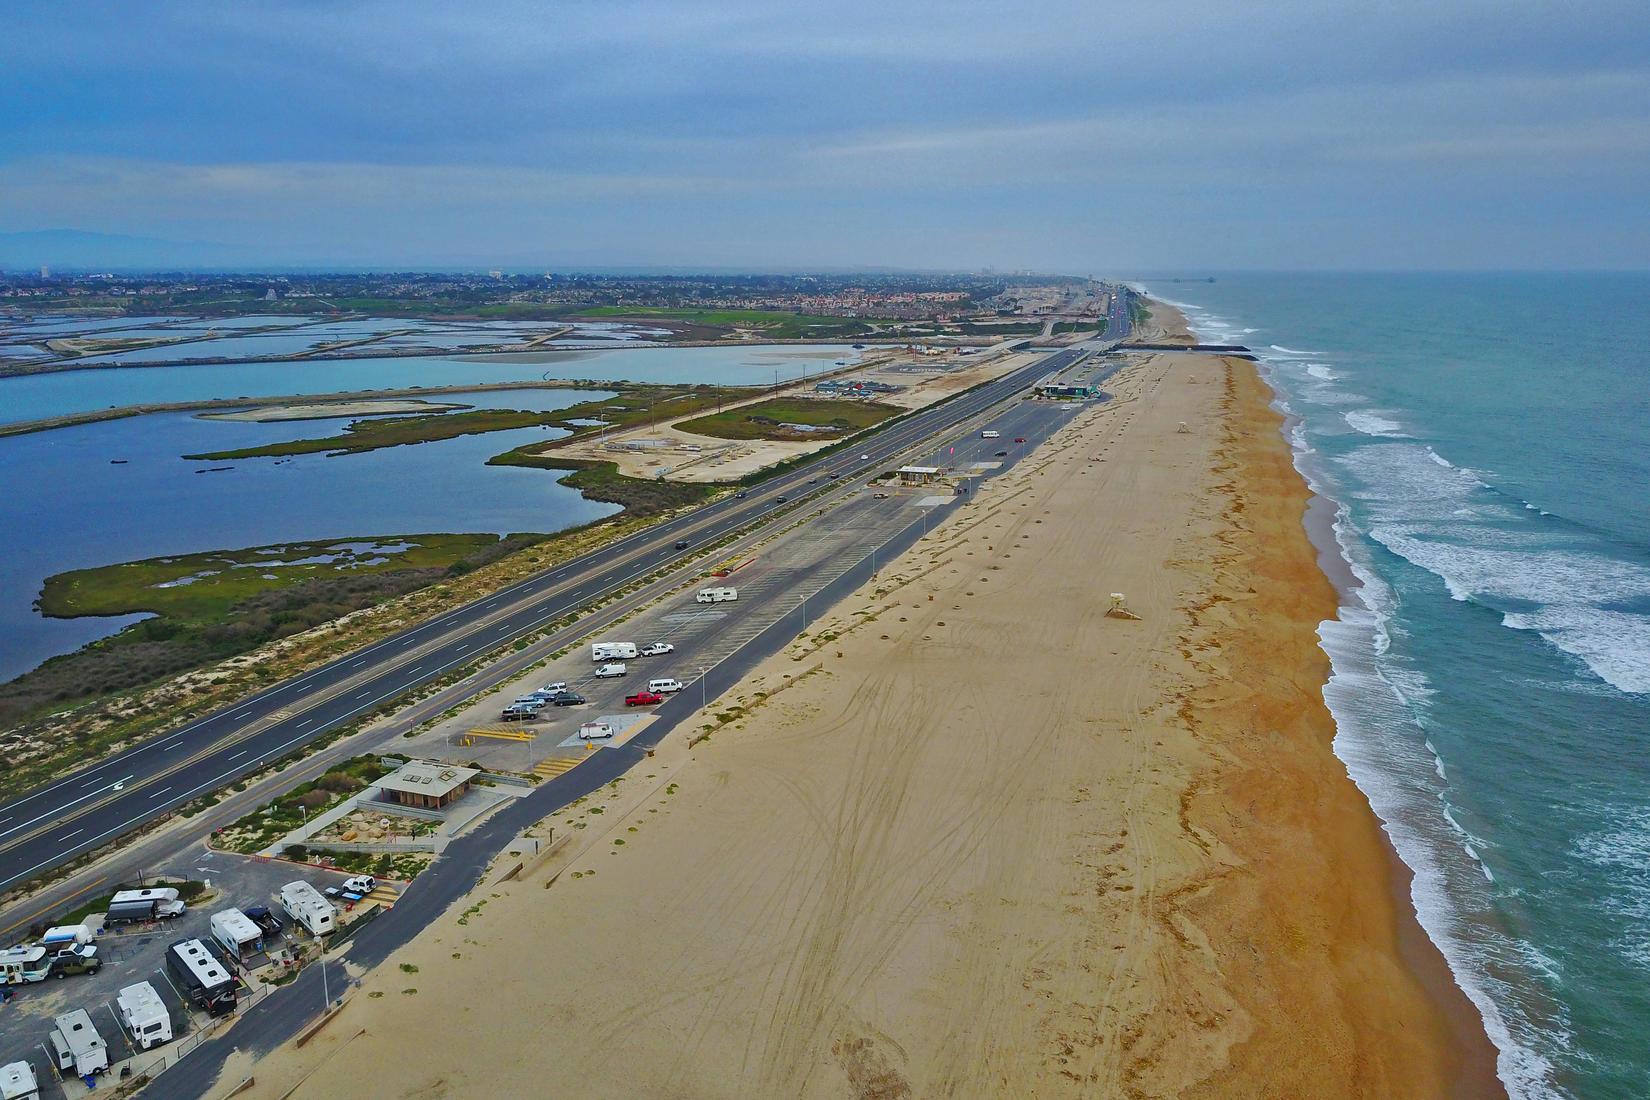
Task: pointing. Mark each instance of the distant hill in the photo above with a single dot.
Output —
(80, 250)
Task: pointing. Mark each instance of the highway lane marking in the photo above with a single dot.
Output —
(301, 725)
(238, 755)
(66, 836)
(242, 714)
(54, 811)
(157, 794)
(364, 694)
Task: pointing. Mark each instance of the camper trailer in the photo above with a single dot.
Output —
(236, 933)
(145, 1016)
(18, 1082)
(76, 1046)
(304, 904)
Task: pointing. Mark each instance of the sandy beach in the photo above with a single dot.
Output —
(971, 836)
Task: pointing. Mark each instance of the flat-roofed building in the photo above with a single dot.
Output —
(427, 786)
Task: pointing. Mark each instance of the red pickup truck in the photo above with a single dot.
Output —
(643, 699)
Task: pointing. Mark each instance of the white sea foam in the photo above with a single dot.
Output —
(1293, 351)
(1614, 644)
(1384, 752)
(1321, 372)
(1622, 851)
(1373, 423)
(1378, 708)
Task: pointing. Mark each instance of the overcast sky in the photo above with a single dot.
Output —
(1085, 136)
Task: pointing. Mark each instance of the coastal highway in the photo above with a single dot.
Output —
(277, 1018)
(97, 804)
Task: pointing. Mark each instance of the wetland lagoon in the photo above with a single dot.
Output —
(133, 496)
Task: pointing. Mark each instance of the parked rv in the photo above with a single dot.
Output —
(76, 1046)
(304, 904)
(24, 965)
(145, 1015)
(717, 595)
(201, 976)
(18, 1082)
(155, 903)
(608, 671)
(612, 651)
(236, 933)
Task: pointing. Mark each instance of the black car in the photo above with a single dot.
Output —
(779, 499)
(835, 476)
(566, 699)
(1000, 454)
(740, 495)
(681, 544)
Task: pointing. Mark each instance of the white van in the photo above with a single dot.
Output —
(596, 731)
(990, 433)
(717, 595)
(612, 651)
(664, 686)
(608, 671)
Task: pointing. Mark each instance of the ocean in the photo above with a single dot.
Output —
(1485, 440)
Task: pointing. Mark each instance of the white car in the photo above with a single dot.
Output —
(360, 884)
(552, 689)
(657, 649)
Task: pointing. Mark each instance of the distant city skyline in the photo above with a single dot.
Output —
(1066, 137)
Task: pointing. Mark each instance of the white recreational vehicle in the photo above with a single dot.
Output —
(155, 903)
(236, 933)
(76, 1045)
(612, 651)
(22, 965)
(18, 1082)
(145, 1016)
(717, 595)
(304, 904)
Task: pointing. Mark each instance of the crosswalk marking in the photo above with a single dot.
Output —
(552, 766)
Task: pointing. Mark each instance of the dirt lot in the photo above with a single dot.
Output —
(664, 450)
